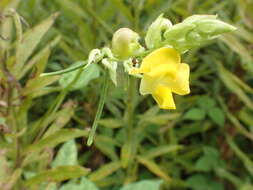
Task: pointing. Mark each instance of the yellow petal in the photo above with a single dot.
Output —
(163, 69)
(180, 85)
(163, 97)
(148, 85)
(137, 71)
(160, 56)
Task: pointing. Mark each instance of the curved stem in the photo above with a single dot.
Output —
(80, 65)
(99, 110)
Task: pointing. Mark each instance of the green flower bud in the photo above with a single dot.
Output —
(125, 43)
(178, 32)
(213, 27)
(154, 35)
(209, 24)
(195, 31)
(195, 18)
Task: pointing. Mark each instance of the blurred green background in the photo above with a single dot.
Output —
(205, 144)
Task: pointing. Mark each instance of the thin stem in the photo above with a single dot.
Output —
(82, 63)
(130, 106)
(129, 124)
(138, 5)
(99, 110)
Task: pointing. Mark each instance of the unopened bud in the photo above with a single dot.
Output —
(125, 43)
(155, 32)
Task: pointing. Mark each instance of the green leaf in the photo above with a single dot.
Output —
(247, 162)
(235, 44)
(67, 155)
(111, 123)
(40, 59)
(195, 114)
(204, 164)
(48, 186)
(36, 84)
(200, 182)
(123, 9)
(85, 184)
(30, 40)
(211, 152)
(197, 182)
(209, 161)
(56, 138)
(106, 145)
(246, 187)
(161, 150)
(206, 102)
(89, 73)
(70, 186)
(13, 178)
(58, 174)
(225, 174)
(246, 116)
(233, 86)
(104, 171)
(73, 8)
(217, 116)
(144, 185)
(160, 119)
(4, 172)
(154, 168)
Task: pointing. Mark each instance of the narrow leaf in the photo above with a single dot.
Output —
(58, 174)
(30, 40)
(55, 139)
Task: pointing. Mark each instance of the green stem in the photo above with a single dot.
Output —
(82, 63)
(99, 110)
(138, 5)
(129, 124)
(223, 173)
(130, 106)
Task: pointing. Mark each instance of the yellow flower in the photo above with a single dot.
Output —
(163, 73)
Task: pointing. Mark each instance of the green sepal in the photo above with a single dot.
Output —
(95, 56)
(112, 67)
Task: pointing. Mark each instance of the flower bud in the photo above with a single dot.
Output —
(214, 27)
(195, 31)
(125, 43)
(154, 35)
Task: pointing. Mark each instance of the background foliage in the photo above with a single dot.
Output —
(205, 144)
